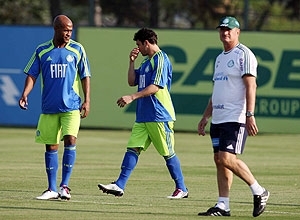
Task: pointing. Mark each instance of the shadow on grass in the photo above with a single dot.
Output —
(87, 211)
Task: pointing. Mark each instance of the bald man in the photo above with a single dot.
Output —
(64, 67)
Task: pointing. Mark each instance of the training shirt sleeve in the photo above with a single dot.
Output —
(33, 66)
(159, 64)
(247, 62)
(83, 65)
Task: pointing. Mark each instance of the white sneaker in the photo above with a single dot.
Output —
(48, 194)
(179, 194)
(111, 189)
(65, 192)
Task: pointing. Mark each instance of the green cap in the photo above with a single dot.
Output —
(229, 22)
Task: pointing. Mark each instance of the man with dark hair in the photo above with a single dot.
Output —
(155, 114)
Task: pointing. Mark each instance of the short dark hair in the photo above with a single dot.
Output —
(146, 34)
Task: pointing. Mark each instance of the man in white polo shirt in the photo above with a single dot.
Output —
(232, 110)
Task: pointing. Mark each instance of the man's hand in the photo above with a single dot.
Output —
(251, 126)
(124, 100)
(134, 54)
(23, 103)
(85, 109)
(201, 126)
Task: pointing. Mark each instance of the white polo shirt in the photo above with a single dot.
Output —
(229, 93)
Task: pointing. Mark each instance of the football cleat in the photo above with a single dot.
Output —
(112, 188)
(65, 193)
(179, 194)
(260, 202)
(215, 211)
(48, 194)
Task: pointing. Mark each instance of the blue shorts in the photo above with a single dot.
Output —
(229, 137)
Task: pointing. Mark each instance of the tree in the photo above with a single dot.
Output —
(197, 14)
(24, 12)
(127, 12)
(54, 8)
(293, 6)
(154, 13)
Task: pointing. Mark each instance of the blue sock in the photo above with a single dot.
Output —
(129, 162)
(174, 168)
(68, 161)
(51, 163)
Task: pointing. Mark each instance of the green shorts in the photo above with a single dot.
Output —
(161, 134)
(53, 127)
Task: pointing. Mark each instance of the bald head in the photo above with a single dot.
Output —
(61, 21)
(63, 28)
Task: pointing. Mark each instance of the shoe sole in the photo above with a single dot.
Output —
(215, 212)
(53, 198)
(65, 198)
(207, 214)
(110, 191)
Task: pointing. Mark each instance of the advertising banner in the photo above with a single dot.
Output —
(17, 47)
(192, 54)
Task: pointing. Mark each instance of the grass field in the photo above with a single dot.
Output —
(274, 159)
